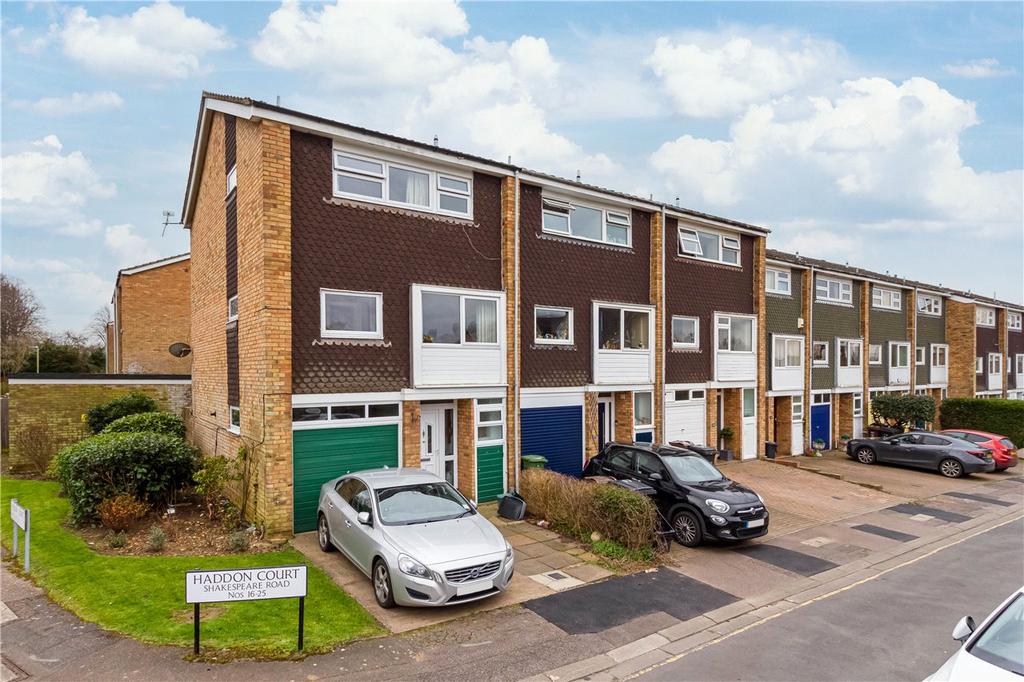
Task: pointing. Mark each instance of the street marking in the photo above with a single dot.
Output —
(833, 593)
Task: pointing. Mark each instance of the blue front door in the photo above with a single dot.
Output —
(821, 424)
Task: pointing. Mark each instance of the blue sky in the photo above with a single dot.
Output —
(886, 135)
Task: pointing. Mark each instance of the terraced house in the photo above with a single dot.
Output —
(787, 301)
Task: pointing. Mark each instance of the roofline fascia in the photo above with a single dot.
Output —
(570, 188)
(711, 221)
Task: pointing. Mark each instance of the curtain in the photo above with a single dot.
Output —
(481, 320)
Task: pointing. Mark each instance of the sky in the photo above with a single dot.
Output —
(886, 135)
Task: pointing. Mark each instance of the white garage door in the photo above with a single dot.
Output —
(685, 416)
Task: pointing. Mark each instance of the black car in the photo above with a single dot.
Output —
(691, 494)
(949, 456)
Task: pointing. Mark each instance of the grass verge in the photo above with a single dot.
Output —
(144, 597)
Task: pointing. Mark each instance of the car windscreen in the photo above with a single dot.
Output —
(1000, 643)
(421, 503)
(691, 468)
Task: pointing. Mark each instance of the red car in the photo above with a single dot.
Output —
(1003, 450)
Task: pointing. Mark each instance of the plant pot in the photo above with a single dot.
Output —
(725, 455)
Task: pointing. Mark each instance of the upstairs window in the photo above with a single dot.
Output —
(709, 246)
(233, 308)
(929, 305)
(986, 317)
(735, 334)
(685, 332)
(940, 355)
(849, 353)
(232, 180)
(919, 356)
(777, 282)
(886, 299)
(875, 354)
(552, 325)
(234, 419)
(819, 353)
(456, 319)
(400, 184)
(586, 222)
(1013, 321)
(995, 363)
(623, 329)
(979, 365)
(899, 355)
(351, 314)
(787, 353)
(833, 290)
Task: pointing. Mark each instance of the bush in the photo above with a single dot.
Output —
(155, 422)
(211, 479)
(238, 541)
(119, 513)
(580, 508)
(157, 539)
(148, 466)
(1004, 417)
(130, 403)
(118, 540)
(900, 410)
(36, 446)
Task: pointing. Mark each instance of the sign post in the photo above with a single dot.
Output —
(22, 519)
(245, 584)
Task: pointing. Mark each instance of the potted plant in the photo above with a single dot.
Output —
(818, 444)
(844, 439)
(725, 436)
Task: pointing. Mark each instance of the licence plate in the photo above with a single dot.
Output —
(472, 588)
(756, 523)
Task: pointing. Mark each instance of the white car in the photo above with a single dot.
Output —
(992, 652)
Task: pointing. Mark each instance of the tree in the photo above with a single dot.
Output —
(901, 410)
(21, 322)
(68, 353)
(97, 329)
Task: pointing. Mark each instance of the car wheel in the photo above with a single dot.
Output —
(323, 534)
(951, 468)
(382, 585)
(865, 455)
(687, 529)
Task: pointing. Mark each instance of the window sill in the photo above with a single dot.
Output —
(377, 206)
(686, 349)
(582, 241)
(688, 257)
(778, 294)
(835, 303)
(382, 343)
(354, 337)
(553, 346)
(235, 430)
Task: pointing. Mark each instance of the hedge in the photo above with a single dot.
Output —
(156, 422)
(149, 466)
(994, 415)
(897, 410)
(130, 403)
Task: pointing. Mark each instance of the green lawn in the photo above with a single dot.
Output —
(144, 597)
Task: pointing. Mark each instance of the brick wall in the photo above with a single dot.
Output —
(590, 424)
(411, 434)
(762, 351)
(784, 424)
(732, 409)
(54, 413)
(843, 423)
(466, 447)
(510, 284)
(661, 343)
(910, 318)
(623, 416)
(153, 311)
(960, 335)
(711, 408)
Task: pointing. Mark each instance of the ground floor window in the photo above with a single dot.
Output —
(307, 414)
(688, 394)
(490, 421)
(798, 408)
(234, 419)
(643, 409)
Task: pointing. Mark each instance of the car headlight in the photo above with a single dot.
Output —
(508, 551)
(717, 505)
(409, 566)
(760, 498)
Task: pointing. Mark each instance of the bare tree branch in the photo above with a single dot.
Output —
(21, 323)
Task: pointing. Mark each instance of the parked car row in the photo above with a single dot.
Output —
(953, 453)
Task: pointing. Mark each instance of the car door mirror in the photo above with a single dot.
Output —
(473, 503)
(364, 518)
(655, 476)
(963, 629)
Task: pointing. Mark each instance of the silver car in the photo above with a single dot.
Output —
(415, 536)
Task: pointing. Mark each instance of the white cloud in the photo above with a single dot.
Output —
(44, 187)
(64, 284)
(364, 44)
(978, 68)
(81, 228)
(156, 41)
(127, 247)
(75, 103)
(28, 43)
(710, 75)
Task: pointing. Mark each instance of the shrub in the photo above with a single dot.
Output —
(901, 410)
(238, 541)
(118, 540)
(579, 508)
(1004, 417)
(148, 466)
(119, 513)
(155, 422)
(36, 446)
(157, 539)
(129, 403)
(211, 479)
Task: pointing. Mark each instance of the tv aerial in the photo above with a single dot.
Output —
(168, 215)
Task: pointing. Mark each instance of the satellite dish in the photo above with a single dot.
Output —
(180, 350)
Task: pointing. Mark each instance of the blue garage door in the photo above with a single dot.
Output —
(556, 433)
(821, 424)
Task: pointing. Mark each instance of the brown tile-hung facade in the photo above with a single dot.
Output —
(151, 312)
(930, 329)
(1014, 347)
(887, 325)
(987, 341)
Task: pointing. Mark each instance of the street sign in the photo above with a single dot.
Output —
(22, 519)
(245, 584)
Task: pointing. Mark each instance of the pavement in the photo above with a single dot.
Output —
(613, 628)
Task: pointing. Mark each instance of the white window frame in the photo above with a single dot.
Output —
(688, 235)
(995, 363)
(936, 350)
(844, 287)
(785, 341)
(819, 363)
(979, 365)
(883, 298)
(609, 216)
(463, 297)
(687, 395)
(929, 305)
(894, 346)
(920, 356)
(773, 277)
(637, 426)
(849, 343)
(434, 189)
(858, 404)
(985, 317)
(797, 408)
(622, 328)
(1013, 321)
(724, 321)
(326, 333)
(232, 181)
(332, 422)
(233, 412)
(554, 342)
(696, 332)
(874, 354)
(490, 405)
(1020, 363)
(233, 308)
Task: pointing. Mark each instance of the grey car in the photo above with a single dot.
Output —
(416, 537)
(949, 456)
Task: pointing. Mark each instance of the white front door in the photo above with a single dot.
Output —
(798, 437)
(437, 441)
(605, 421)
(749, 446)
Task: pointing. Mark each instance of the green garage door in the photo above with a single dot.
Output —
(319, 455)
